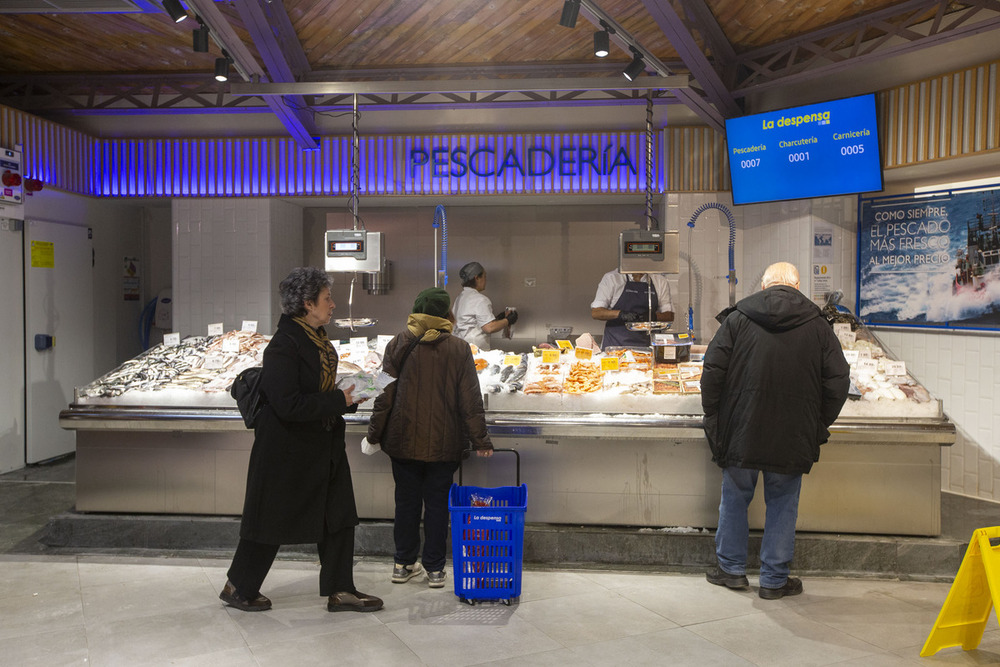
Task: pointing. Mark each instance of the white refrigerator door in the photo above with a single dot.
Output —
(58, 302)
(12, 358)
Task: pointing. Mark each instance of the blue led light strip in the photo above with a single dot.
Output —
(453, 164)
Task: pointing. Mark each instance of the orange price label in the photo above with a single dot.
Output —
(511, 359)
(609, 364)
(584, 353)
(564, 344)
(550, 356)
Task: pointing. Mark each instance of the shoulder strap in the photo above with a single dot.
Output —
(399, 374)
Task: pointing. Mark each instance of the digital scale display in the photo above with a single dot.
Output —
(346, 246)
(643, 248)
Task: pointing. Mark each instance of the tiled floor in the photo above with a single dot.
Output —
(100, 610)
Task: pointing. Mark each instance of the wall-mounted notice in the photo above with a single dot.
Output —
(930, 260)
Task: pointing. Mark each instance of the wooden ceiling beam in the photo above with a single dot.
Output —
(690, 96)
(297, 120)
(691, 54)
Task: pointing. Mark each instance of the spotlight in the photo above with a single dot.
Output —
(571, 8)
(175, 9)
(199, 38)
(635, 68)
(602, 43)
(222, 69)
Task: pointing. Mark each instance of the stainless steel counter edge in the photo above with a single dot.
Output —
(501, 424)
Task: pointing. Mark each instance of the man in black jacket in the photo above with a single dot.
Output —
(774, 380)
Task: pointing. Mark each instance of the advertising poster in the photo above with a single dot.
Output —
(930, 260)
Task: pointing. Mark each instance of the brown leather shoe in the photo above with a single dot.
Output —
(234, 599)
(356, 601)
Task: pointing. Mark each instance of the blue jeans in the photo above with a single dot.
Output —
(781, 497)
(422, 488)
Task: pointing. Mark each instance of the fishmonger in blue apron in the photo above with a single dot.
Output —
(624, 298)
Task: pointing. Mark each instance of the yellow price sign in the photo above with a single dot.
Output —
(511, 359)
(550, 356)
(564, 345)
(584, 353)
(609, 364)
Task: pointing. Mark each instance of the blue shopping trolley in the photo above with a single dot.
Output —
(487, 538)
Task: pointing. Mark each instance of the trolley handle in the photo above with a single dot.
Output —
(468, 452)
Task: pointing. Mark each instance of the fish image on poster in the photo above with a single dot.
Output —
(931, 260)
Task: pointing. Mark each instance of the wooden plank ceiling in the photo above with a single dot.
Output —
(393, 34)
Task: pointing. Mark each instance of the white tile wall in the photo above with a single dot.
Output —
(228, 257)
(963, 370)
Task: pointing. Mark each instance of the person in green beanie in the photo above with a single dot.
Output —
(424, 421)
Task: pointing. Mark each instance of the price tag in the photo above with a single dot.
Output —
(381, 341)
(628, 357)
(359, 344)
(231, 344)
(213, 362)
(511, 359)
(609, 364)
(249, 326)
(864, 354)
(564, 345)
(868, 366)
(851, 356)
(584, 353)
(550, 356)
(847, 337)
(895, 367)
(172, 339)
(842, 328)
(215, 329)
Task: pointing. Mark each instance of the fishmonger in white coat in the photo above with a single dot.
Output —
(474, 318)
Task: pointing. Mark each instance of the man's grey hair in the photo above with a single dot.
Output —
(780, 273)
(468, 273)
(303, 284)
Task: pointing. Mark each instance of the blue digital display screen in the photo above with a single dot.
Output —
(816, 150)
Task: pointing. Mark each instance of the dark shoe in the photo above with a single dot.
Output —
(793, 586)
(356, 601)
(233, 599)
(722, 578)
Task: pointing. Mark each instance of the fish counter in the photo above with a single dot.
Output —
(611, 438)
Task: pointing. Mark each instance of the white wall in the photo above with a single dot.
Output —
(228, 256)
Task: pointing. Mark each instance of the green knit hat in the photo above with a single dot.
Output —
(432, 301)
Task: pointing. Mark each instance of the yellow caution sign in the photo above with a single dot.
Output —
(973, 594)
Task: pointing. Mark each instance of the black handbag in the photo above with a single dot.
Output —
(249, 397)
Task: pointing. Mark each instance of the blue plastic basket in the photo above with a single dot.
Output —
(487, 541)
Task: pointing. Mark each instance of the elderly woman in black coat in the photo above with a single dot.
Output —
(299, 483)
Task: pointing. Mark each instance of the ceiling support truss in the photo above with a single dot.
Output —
(179, 94)
(896, 30)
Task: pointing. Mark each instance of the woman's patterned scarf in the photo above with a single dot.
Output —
(327, 355)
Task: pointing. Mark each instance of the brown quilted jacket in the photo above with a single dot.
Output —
(438, 409)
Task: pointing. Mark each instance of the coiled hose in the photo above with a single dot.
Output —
(732, 254)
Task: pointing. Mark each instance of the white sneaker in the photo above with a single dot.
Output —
(403, 573)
